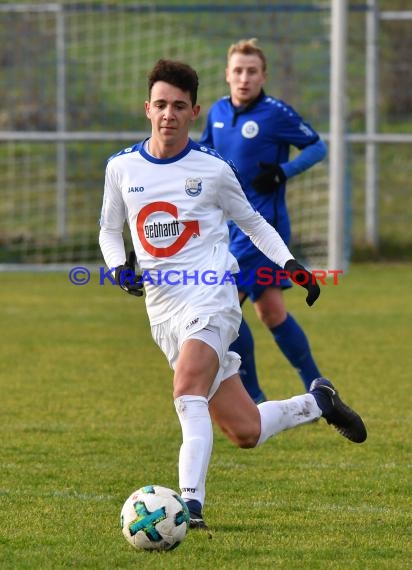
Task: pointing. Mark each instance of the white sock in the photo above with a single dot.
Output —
(277, 416)
(196, 448)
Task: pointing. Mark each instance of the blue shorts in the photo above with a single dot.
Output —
(258, 273)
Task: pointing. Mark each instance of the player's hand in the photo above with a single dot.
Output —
(305, 279)
(126, 277)
(270, 177)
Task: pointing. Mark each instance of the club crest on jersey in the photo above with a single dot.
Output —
(193, 186)
(250, 129)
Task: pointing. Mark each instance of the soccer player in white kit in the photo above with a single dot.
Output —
(176, 197)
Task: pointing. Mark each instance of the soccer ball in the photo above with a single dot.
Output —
(154, 518)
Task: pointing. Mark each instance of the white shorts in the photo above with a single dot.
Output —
(218, 331)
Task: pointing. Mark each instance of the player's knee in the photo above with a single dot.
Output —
(272, 318)
(246, 440)
(248, 443)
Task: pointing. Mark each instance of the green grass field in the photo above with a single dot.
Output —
(87, 416)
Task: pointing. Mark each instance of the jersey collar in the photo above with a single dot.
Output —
(151, 158)
(245, 108)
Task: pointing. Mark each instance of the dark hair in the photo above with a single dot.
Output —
(176, 73)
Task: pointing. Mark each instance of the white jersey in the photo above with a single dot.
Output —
(177, 211)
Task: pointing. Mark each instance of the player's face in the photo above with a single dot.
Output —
(245, 77)
(171, 112)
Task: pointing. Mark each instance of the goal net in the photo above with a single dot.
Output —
(73, 81)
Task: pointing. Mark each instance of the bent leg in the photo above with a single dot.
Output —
(294, 344)
(288, 334)
(244, 346)
(236, 414)
(248, 425)
(278, 416)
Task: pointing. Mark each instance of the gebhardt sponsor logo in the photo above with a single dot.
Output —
(147, 230)
(159, 229)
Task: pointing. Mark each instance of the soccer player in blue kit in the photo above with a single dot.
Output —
(255, 131)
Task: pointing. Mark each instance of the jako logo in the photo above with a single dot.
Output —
(136, 189)
(192, 323)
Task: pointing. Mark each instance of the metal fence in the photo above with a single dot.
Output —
(73, 78)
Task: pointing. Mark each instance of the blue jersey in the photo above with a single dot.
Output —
(262, 131)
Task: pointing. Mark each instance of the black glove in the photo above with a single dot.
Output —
(305, 279)
(269, 178)
(126, 277)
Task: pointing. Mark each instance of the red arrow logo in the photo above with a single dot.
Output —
(191, 229)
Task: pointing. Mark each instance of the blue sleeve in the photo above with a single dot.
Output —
(306, 158)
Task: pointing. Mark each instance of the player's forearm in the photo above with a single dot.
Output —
(112, 247)
(307, 157)
(266, 238)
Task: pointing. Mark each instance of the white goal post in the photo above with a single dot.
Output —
(337, 152)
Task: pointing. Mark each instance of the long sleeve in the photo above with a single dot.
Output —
(112, 222)
(265, 238)
(307, 157)
(237, 208)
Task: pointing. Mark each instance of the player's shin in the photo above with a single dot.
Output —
(277, 416)
(196, 448)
